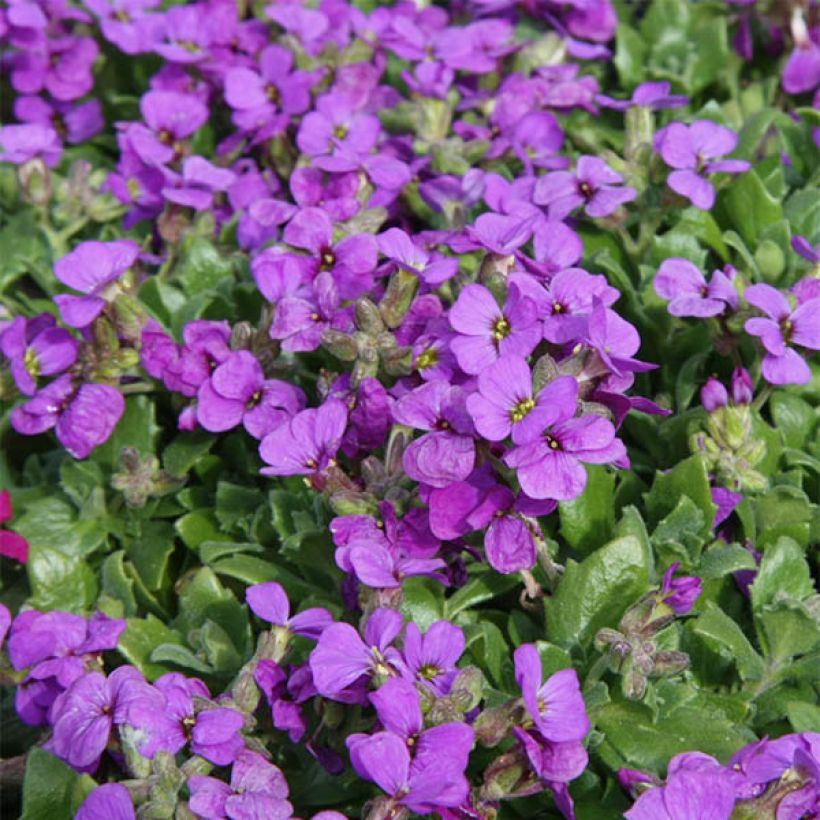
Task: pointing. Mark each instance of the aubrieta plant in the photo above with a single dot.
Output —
(409, 409)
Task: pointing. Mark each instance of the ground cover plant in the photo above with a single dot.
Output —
(409, 409)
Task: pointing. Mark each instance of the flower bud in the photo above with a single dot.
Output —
(670, 663)
(398, 298)
(493, 724)
(742, 387)
(341, 345)
(770, 259)
(35, 182)
(713, 395)
(368, 318)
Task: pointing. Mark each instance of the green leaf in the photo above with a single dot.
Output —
(116, 584)
(151, 552)
(750, 207)
(141, 637)
(794, 418)
(52, 523)
(790, 630)
(185, 450)
(486, 644)
(712, 52)
(587, 521)
(178, 655)
(689, 478)
(202, 267)
(59, 581)
(684, 527)
(804, 717)
(52, 790)
(719, 629)
(595, 593)
(784, 574)
(630, 55)
(482, 587)
(722, 559)
(236, 505)
(196, 527)
(137, 428)
(782, 511)
(422, 601)
(252, 570)
(690, 379)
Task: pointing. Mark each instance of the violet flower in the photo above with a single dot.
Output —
(681, 593)
(693, 151)
(653, 95)
(238, 392)
(36, 347)
(21, 143)
(307, 444)
(681, 283)
(555, 705)
(430, 659)
(12, 544)
(549, 465)
(341, 657)
(111, 801)
(432, 268)
(784, 326)
(487, 331)
(257, 789)
(447, 452)
(216, 735)
(593, 185)
(269, 602)
(92, 268)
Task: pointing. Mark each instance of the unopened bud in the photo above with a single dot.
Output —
(35, 182)
(401, 290)
(368, 318)
(341, 345)
(493, 724)
(670, 663)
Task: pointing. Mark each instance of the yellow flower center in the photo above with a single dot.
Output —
(501, 328)
(521, 410)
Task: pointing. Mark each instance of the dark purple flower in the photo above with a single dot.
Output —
(238, 392)
(257, 789)
(36, 347)
(693, 151)
(804, 248)
(270, 602)
(341, 657)
(92, 268)
(555, 705)
(447, 452)
(784, 326)
(111, 801)
(684, 286)
(593, 185)
(307, 443)
(679, 593)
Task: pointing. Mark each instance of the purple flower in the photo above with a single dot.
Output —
(505, 404)
(804, 248)
(85, 713)
(91, 268)
(684, 286)
(509, 541)
(111, 801)
(556, 705)
(307, 444)
(802, 70)
(725, 501)
(430, 659)
(782, 364)
(5, 623)
(216, 735)
(199, 182)
(35, 347)
(84, 418)
(270, 603)
(593, 185)
(257, 789)
(432, 268)
(692, 150)
(238, 392)
(20, 143)
(537, 139)
(679, 593)
(341, 657)
(550, 464)
(713, 395)
(486, 331)
(653, 95)
(381, 567)
(446, 453)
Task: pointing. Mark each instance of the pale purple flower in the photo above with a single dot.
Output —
(126, 24)
(505, 403)
(257, 789)
(77, 122)
(341, 657)
(238, 392)
(92, 268)
(111, 801)
(381, 567)
(446, 453)
(555, 705)
(681, 283)
(679, 593)
(186, 35)
(432, 268)
(693, 151)
(486, 331)
(307, 443)
(782, 327)
(216, 735)
(269, 602)
(536, 140)
(36, 347)
(713, 395)
(503, 234)
(20, 143)
(198, 183)
(554, 762)
(653, 95)
(593, 185)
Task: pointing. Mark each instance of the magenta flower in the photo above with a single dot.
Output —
(341, 657)
(447, 452)
(257, 789)
(111, 801)
(92, 268)
(83, 417)
(693, 151)
(556, 705)
(551, 464)
(307, 443)
(593, 185)
(238, 392)
(12, 544)
(505, 404)
(684, 286)
(784, 326)
(679, 593)
(269, 602)
(486, 332)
